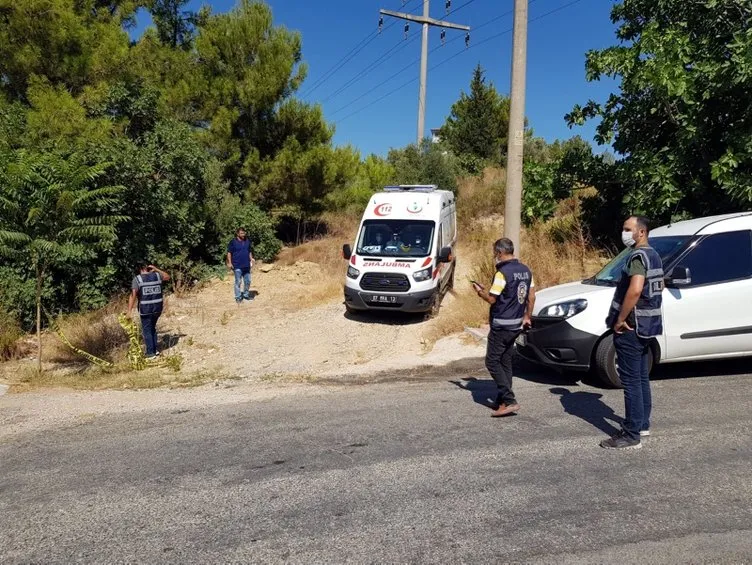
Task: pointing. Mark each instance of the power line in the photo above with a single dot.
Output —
(362, 44)
(374, 64)
(490, 38)
(401, 45)
(406, 67)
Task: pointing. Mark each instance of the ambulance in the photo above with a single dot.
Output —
(403, 256)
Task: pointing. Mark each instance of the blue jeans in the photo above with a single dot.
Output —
(632, 355)
(245, 276)
(149, 329)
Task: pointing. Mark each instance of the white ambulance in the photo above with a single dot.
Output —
(404, 252)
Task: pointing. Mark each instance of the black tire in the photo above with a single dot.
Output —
(450, 284)
(435, 305)
(605, 362)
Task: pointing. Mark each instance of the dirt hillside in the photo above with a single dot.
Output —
(271, 336)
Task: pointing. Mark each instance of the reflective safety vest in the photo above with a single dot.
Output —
(509, 310)
(150, 298)
(648, 316)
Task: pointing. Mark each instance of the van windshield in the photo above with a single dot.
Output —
(667, 248)
(396, 238)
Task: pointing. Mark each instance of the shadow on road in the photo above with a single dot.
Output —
(384, 317)
(588, 406)
(696, 369)
(483, 391)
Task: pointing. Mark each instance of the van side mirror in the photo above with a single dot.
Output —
(445, 255)
(346, 251)
(680, 276)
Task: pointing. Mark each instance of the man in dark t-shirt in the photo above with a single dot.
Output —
(240, 260)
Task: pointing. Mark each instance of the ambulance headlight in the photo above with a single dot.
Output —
(352, 272)
(564, 310)
(423, 275)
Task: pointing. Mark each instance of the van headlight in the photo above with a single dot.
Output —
(563, 310)
(352, 272)
(423, 275)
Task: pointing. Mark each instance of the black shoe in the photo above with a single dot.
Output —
(621, 441)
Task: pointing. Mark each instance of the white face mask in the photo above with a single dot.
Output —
(627, 238)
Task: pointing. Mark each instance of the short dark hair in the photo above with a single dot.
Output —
(237, 231)
(141, 266)
(504, 245)
(642, 223)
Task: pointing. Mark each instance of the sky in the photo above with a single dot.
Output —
(377, 110)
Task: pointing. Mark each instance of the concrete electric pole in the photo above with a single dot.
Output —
(516, 135)
(427, 21)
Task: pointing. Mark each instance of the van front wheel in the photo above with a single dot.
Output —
(435, 305)
(606, 362)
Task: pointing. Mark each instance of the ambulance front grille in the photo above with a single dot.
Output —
(385, 282)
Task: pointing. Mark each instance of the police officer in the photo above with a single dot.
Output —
(512, 297)
(635, 316)
(147, 289)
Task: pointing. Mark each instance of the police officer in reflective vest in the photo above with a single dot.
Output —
(512, 297)
(147, 289)
(635, 316)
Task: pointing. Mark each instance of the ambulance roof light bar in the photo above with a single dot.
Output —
(411, 188)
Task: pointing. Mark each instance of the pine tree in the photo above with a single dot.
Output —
(476, 129)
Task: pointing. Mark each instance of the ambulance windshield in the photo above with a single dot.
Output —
(396, 238)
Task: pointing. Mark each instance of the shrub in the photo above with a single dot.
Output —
(260, 228)
(97, 333)
(10, 333)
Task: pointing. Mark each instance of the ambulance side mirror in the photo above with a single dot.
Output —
(680, 276)
(445, 255)
(346, 251)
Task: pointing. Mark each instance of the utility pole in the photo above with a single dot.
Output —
(516, 134)
(427, 21)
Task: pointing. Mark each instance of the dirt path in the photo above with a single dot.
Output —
(269, 337)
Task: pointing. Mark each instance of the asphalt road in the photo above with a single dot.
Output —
(407, 471)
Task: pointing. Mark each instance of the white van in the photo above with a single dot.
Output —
(707, 302)
(403, 258)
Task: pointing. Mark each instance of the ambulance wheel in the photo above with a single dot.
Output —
(605, 362)
(450, 285)
(435, 306)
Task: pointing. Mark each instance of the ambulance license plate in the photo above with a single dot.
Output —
(384, 299)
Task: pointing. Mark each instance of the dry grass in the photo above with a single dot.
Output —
(319, 267)
(97, 333)
(118, 378)
(11, 345)
(556, 251)
(480, 197)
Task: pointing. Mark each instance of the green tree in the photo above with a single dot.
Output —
(681, 119)
(374, 173)
(476, 129)
(175, 25)
(52, 213)
(70, 44)
(428, 164)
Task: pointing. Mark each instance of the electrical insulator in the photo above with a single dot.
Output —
(407, 28)
(381, 23)
(448, 5)
(443, 36)
(467, 39)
